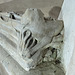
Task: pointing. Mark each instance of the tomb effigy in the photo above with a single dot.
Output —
(31, 38)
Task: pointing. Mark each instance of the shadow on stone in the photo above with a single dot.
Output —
(54, 12)
(2, 70)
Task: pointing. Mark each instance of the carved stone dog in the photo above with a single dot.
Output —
(43, 31)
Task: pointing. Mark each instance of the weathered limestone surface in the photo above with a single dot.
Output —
(8, 66)
(4, 1)
(26, 39)
(68, 16)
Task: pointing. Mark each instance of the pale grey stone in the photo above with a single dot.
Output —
(16, 33)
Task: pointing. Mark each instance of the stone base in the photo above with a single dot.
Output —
(9, 66)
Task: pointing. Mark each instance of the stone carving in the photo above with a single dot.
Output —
(26, 37)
